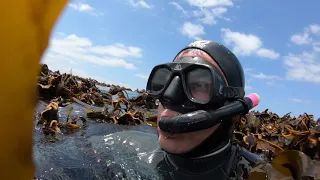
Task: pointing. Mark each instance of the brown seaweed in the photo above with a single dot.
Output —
(268, 134)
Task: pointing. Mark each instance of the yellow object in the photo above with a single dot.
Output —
(25, 30)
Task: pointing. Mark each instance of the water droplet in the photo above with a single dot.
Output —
(108, 138)
(109, 143)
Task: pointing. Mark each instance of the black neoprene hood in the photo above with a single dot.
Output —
(227, 61)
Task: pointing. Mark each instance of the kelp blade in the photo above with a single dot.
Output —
(25, 30)
(300, 165)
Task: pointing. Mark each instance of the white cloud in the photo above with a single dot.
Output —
(118, 50)
(243, 44)
(140, 4)
(268, 53)
(179, 7)
(314, 28)
(193, 31)
(81, 7)
(219, 11)
(210, 16)
(304, 38)
(270, 79)
(305, 66)
(247, 44)
(296, 100)
(264, 76)
(206, 11)
(72, 48)
(301, 39)
(210, 3)
(142, 76)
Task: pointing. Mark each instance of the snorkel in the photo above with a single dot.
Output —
(202, 119)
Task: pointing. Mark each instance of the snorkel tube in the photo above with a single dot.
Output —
(201, 119)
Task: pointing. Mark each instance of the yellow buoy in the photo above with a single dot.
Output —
(25, 30)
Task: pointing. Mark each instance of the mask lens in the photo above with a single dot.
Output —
(200, 84)
(160, 79)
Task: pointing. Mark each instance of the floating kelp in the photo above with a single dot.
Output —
(290, 164)
(51, 124)
(61, 90)
(53, 85)
(268, 134)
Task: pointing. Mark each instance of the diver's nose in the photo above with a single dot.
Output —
(174, 91)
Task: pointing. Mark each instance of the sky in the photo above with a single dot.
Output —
(120, 41)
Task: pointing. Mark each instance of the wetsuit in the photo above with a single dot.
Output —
(225, 164)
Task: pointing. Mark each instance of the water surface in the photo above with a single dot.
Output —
(92, 152)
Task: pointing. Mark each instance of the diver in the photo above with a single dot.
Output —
(204, 76)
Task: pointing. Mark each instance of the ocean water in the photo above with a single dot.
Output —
(86, 153)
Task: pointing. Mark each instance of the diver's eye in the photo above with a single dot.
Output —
(199, 86)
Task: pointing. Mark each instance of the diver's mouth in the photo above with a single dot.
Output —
(167, 135)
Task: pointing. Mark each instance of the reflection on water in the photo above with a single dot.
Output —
(92, 152)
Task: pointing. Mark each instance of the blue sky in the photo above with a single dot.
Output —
(119, 41)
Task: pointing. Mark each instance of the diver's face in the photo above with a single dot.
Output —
(181, 143)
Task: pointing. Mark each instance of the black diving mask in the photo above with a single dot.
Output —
(190, 84)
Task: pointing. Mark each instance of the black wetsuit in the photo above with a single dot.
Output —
(232, 162)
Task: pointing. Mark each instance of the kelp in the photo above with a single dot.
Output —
(287, 165)
(61, 90)
(267, 134)
(52, 125)
(68, 87)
